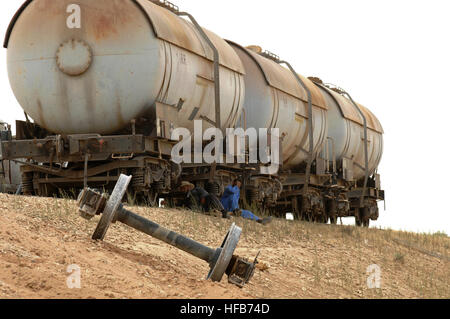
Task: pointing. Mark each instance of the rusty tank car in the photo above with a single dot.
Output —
(106, 83)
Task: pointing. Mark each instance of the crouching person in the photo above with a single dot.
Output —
(197, 198)
(230, 202)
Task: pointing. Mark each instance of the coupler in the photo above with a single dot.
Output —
(221, 260)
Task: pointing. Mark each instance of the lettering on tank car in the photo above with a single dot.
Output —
(182, 58)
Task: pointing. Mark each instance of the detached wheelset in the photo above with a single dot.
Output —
(221, 260)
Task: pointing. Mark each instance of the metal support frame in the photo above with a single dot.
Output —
(366, 148)
(333, 155)
(311, 129)
(85, 172)
(216, 65)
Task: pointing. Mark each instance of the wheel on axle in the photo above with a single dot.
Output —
(365, 217)
(362, 217)
(111, 207)
(228, 247)
(358, 219)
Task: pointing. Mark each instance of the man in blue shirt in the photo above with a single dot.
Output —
(230, 198)
(230, 201)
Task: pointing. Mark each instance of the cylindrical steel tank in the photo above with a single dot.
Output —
(93, 66)
(346, 129)
(274, 99)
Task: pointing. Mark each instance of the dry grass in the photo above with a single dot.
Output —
(298, 260)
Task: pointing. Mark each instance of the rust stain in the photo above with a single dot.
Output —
(120, 118)
(103, 26)
(282, 79)
(180, 32)
(90, 95)
(372, 121)
(41, 113)
(49, 6)
(100, 19)
(351, 113)
(105, 18)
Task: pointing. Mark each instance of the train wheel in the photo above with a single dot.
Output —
(47, 190)
(331, 210)
(306, 217)
(27, 184)
(358, 219)
(365, 217)
(362, 217)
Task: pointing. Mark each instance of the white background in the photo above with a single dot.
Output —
(391, 55)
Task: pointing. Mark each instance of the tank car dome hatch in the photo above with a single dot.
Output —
(74, 57)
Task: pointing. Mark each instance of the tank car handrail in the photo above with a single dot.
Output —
(310, 120)
(216, 65)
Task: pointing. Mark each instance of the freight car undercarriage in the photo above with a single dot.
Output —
(57, 164)
(63, 165)
(60, 166)
(326, 201)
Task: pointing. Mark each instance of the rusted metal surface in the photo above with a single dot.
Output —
(346, 128)
(366, 149)
(310, 130)
(130, 70)
(110, 94)
(216, 61)
(169, 27)
(283, 79)
(349, 112)
(74, 57)
(268, 107)
(122, 82)
(74, 147)
(372, 121)
(10, 177)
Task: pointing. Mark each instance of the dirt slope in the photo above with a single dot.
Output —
(40, 238)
